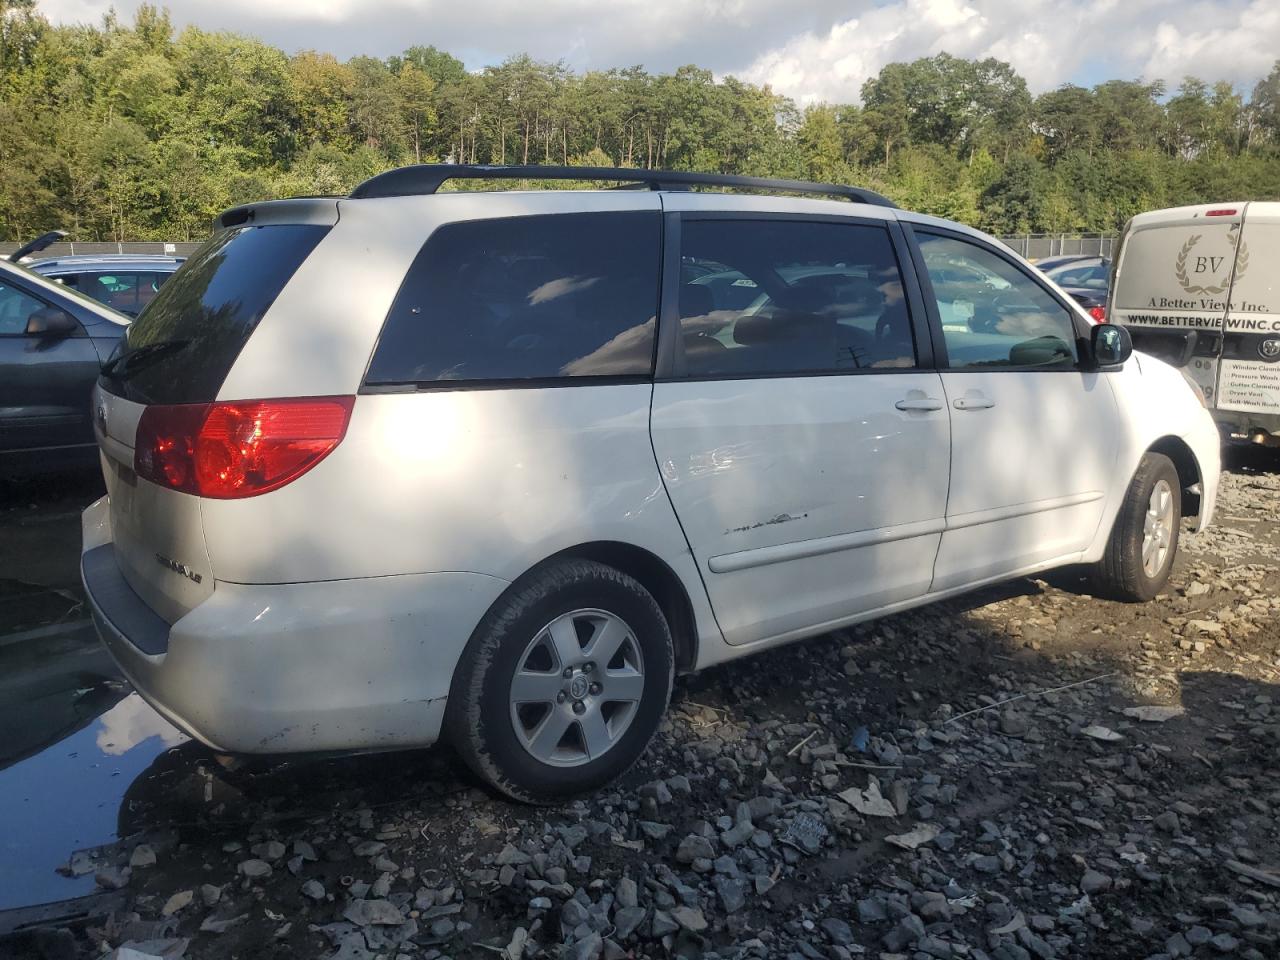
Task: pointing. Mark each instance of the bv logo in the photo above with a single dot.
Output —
(1270, 348)
(1208, 269)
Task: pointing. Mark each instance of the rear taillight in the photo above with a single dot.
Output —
(1098, 313)
(1224, 212)
(241, 449)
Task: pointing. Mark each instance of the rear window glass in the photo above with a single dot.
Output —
(1177, 267)
(209, 308)
(561, 295)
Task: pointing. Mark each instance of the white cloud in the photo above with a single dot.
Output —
(809, 49)
(1049, 43)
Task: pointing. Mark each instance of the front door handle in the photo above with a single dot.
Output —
(973, 401)
(919, 403)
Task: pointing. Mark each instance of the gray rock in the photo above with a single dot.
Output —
(657, 791)
(679, 784)
(143, 856)
(689, 918)
(220, 925)
(663, 923)
(732, 893)
(837, 931)
(627, 893)
(1094, 882)
(572, 914)
(627, 920)
(1198, 936)
(271, 850)
(1168, 822)
(589, 948)
(373, 913)
(112, 878)
(737, 835)
(254, 869)
(694, 848)
(871, 911)
(313, 889)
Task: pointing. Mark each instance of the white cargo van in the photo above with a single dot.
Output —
(1200, 287)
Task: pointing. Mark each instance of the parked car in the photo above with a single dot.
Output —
(1196, 286)
(53, 340)
(495, 466)
(124, 282)
(1086, 279)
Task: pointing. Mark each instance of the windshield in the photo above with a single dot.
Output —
(1090, 274)
(45, 284)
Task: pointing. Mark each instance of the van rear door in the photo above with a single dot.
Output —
(176, 356)
(1173, 276)
(1249, 370)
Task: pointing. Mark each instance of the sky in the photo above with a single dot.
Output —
(811, 50)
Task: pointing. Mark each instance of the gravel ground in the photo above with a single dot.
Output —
(1028, 772)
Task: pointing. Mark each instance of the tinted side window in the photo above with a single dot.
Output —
(15, 308)
(561, 295)
(993, 314)
(781, 296)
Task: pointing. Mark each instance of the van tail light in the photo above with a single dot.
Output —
(1099, 313)
(230, 450)
(1223, 212)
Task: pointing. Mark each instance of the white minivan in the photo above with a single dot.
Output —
(497, 465)
(1199, 287)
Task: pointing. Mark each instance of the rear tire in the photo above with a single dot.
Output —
(563, 683)
(1144, 541)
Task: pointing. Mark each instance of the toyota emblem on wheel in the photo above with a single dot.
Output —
(1270, 348)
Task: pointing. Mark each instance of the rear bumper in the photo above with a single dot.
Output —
(1242, 423)
(285, 668)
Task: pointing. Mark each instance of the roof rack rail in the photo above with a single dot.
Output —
(427, 178)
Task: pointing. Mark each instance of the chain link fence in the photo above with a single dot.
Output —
(76, 248)
(1038, 246)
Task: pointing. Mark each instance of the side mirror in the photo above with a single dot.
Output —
(1111, 344)
(51, 323)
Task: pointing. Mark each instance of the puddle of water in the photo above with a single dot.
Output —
(71, 795)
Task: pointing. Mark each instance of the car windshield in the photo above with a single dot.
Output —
(44, 283)
(1090, 274)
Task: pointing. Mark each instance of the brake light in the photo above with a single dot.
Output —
(1099, 313)
(241, 449)
(1224, 212)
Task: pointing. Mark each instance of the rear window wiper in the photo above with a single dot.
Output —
(130, 362)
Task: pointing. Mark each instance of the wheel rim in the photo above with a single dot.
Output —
(1157, 529)
(577, 688)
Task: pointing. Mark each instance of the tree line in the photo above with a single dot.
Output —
(135, 131)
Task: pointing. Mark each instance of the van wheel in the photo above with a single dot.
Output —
(1144, 540)
(563, 683)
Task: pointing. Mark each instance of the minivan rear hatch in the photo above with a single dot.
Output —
(178, 353)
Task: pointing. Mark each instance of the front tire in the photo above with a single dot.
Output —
(1144, 540)
(563, 683)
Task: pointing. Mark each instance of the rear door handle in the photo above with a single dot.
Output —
(919, 403)
(977, 402)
